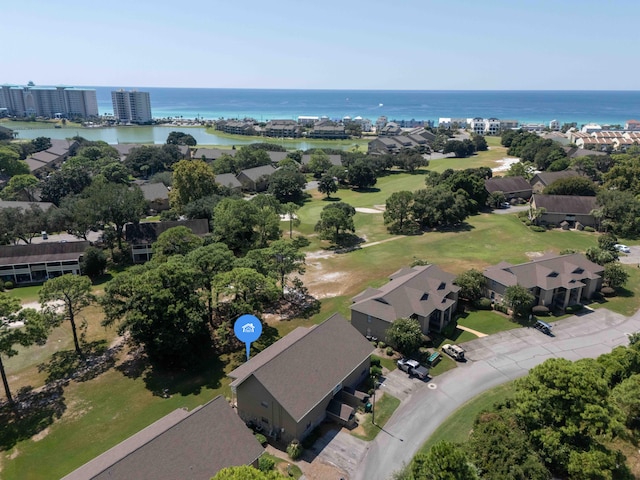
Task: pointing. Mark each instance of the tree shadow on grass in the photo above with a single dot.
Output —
(34, 411)
(164, 382)
(366, 190)
(331, 199)
(68, 365)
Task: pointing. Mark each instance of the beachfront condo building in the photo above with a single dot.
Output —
(50, 102)
(131, 106)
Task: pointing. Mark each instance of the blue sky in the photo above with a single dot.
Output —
(406, 44)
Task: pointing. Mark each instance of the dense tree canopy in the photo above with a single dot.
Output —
(519, 299)
(405, 334)
(336, 219)
(286, 184)
(181, 138)
(571, 186)
(471, 283)
(192, 180)
(159, 305)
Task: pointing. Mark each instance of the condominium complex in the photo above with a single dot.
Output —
(131, 106)
(52, 102)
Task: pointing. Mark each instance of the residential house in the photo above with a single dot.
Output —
(328, 131)
(141, 236)
(390, 129)
(42, 163)
(307, 120)
(396, 143)
(237, 127)
(541, 180)
(181, 445)
(290, 387)
(574, 152)
(229, 180)
(512, 187)
(277, 156)
(336, 160)
(554, 125)
(36, 263)
(632, 125)
(256, 179)
(554, 280)
(425, 293)
(565, 210)
(156, 195)
(210, 154)
(282, 129)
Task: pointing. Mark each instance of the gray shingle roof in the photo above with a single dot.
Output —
(182, 445)
(212, 153)
(41, 252)
(148, 232)
(154, 191)
(566, 204)
(334, 159)
(257, 172)
(419, 290)
(228, 180)
(16, 204)
(547, 178)
(548, 272)
(306, 365)
(507, 184)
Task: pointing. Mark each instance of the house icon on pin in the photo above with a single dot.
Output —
(248, 328)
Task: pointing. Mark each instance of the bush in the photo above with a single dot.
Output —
(606, 291)
(294, 450)
(536, 228)
(499, 307)
(382, 345)
(574, 308)
(375, 362)
(540, 310)
(589, 229)
(94, 262)
(389, 351)
(483, 304)
(300, 242)
(527, 222)
(375, 371)
(266, 464)
(261, 438)
(8, 285)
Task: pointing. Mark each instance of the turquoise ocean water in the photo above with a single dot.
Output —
(611, 107)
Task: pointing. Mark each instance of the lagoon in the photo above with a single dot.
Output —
(157, 134)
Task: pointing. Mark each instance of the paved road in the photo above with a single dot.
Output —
(491, 361)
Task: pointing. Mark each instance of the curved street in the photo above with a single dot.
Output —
(492, 360)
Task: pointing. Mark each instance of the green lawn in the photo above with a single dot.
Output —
(457, 427)
(486, 321)
(384, 408)
(387, 362)
(281, 466)
(26, 294)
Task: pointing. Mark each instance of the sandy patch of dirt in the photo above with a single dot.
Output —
(14, 454)
(40, 435)
(534, 254)
(319, 255)
(505, 164)
(367, 210)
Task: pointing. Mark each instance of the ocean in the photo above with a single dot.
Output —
(609, 107)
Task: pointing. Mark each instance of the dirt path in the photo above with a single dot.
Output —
(471, 330)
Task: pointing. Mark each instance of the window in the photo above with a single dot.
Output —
(264, 404)
(368, 318)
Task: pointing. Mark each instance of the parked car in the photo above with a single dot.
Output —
(413, 368)
(543, 327)
(622, 248)
(454, 351)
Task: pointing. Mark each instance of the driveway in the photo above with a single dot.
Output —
(632, 258)
(511, 209)
(492, 361)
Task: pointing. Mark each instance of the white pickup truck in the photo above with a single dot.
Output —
(413, 368)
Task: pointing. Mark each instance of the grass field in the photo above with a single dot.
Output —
(103, 411)
(487, 321)
(458, 426)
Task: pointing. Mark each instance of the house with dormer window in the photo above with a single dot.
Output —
(424, 293)
(556, 281)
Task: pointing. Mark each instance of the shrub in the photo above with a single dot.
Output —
(375, 371)
(382, 345)
(573, 308)
(294, 450)
(606, 291)
(389, 351)
(8, 285)
(483, 304)
(501, 308)
(266, 464)
(300, 242)
(527, 222)
(536, 228)
(540, 310)
(261, 438)
(375, 362)
(589, 229)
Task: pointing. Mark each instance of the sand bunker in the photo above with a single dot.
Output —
(505, 164)
(367, 210)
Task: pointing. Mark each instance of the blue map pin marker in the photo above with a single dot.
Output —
(248, 329)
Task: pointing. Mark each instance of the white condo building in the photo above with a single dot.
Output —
(62, 102)
(131, 106)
